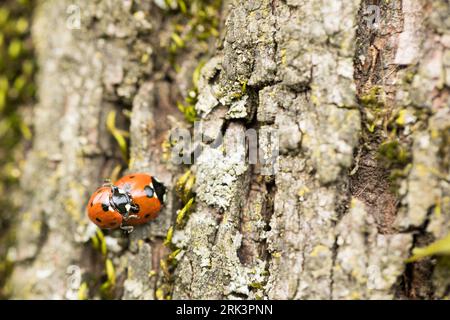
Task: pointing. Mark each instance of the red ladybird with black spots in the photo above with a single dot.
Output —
(132, 200)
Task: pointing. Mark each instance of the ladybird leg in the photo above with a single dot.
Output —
(128, 229)
(107, 183)
(133, 208)
(132, 216)
(128, 216)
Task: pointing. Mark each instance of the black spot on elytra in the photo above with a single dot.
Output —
(132, 177)
(92, 203)
(98, 219)
(160, 189)
(149, 191)
(147, 215)
(105, 207)
(112, 224)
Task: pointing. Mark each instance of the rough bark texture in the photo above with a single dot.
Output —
(362, 113)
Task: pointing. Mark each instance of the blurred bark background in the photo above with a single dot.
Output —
(358, 92)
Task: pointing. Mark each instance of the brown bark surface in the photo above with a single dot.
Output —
(361, 107)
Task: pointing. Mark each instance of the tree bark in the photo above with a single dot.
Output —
(361, 107)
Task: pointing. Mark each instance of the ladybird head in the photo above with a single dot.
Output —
(120, 200)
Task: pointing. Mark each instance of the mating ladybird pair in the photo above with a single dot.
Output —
(132, 200)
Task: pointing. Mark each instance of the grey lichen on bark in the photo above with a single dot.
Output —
(304, 87)
(297, 58)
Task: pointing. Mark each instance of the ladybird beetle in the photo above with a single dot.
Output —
(132, 200)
